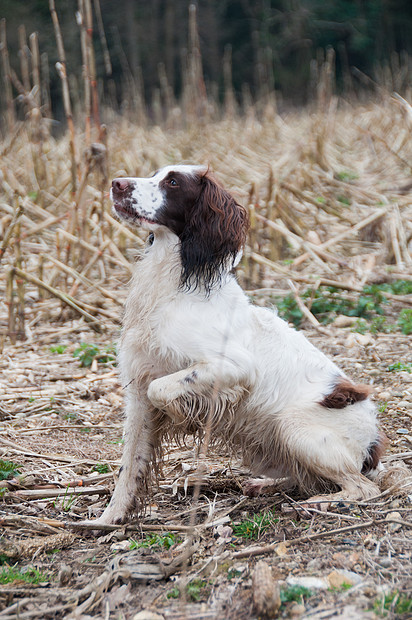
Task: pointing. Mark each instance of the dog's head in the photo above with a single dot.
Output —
(209, 223)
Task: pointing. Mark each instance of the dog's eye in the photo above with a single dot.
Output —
(173, 182)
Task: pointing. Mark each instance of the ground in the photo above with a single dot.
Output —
(63, 427)
(328, 194)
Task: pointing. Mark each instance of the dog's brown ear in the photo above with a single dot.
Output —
(215, 231)
(346, 393)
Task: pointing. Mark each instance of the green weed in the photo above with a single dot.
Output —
(8, 574)
(87, 353)
(405, 321)
(8, 470)
(196, 590)
(174, 593)
(164, 541)
(401, 366)
(342, 588)
(344, 200)
(347, 175)
(70, 415)
(102, 468)
(361, 326)
(380, 324)
(233, 573)
(327, 302)
(67, 501)
(295, 593)
(395, 602)
(255, 526)
(58, 348)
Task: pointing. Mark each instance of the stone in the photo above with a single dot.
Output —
(344, 321)
(394, 527)
(341, 577)
(295, 610)
(384, 395)
(146, 614)
(312, 583)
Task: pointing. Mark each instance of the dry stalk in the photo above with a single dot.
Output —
(9, 232)
(347, 233)
(61, 69)
(45, 85)
(11, 119)
(311, 247)
(11, 326)
(305, 310)
(78, 276)
(20, 331)
(35, 66)
(85, 70)
(99, 251)
(255, 551)
(24, 58)
(91, 63)
(106, 55)
(94, 323)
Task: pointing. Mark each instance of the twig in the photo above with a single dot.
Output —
(130, 528)
(78, 276)
(94, 323)
(16, 215)
(305, 310)
(50, 457)
(11, 119)
(254, 551)
(61, 69)
(312, 248)
(30, 494)
(347, 233)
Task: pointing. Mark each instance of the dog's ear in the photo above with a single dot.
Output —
(214, 233)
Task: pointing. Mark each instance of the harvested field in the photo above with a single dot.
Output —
(329, 196)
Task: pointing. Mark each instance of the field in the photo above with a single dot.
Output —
(329, 196)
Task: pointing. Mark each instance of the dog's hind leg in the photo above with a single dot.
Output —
(354, 487)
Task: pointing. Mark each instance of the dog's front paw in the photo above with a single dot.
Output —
(161, 392)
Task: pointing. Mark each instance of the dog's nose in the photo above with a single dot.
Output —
(120, 185)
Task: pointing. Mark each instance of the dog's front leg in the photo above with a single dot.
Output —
(207, 378)
(137, 453)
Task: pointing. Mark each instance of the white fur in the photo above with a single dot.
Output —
(184, 354)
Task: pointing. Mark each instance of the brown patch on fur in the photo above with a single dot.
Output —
(346, 393)
(375, 451)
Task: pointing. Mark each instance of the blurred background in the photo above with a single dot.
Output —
(143, 50)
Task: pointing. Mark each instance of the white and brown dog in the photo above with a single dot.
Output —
(194, 351)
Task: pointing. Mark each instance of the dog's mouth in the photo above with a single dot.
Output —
(126, 212)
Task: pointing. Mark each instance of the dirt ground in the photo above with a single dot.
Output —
(328, 193)
(62, 426)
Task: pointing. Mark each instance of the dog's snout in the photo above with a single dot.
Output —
(120, 185)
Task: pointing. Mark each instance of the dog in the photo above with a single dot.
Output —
(195, 354)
